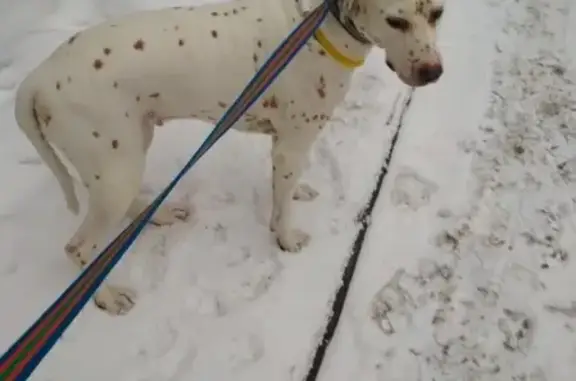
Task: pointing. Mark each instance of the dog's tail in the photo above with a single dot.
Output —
(30, 123)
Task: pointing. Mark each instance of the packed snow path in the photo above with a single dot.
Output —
(466, 270)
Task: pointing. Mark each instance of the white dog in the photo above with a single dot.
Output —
(98, 97)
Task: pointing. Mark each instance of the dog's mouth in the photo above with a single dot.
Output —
(409, 81)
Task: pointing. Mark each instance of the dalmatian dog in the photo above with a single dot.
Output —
(98, 97)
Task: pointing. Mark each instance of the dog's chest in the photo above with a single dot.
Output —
(312, 82)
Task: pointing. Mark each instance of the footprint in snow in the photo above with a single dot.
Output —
(412, 190)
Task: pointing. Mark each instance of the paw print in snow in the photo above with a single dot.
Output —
(518, 330)
(412, 190)
(557, 256)
(244, 277)
(453, 240)
(567, 170)
(244, 350)
(391, 305)
(204, 303)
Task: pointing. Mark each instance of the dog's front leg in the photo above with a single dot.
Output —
(290, 150)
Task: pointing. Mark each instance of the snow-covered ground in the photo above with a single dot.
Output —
(466, 270)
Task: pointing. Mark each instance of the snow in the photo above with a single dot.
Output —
(466, 271)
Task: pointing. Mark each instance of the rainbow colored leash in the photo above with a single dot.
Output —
(18, 363)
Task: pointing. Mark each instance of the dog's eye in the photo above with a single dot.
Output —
(398, 23)
(435, 15)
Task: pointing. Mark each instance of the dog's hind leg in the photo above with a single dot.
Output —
(110, 193)
(167, 213)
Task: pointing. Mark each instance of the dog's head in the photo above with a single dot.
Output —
(406, 30)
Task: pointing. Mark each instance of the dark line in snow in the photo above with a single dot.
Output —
(364, 219)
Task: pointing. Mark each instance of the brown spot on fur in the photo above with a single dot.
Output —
(72, 38)
(214, 34)
(126, 114)
(70, 249)
(114, 144)
(138, 98)
(96, 134)
(154, 95)
(97, 177)
(69, 79)
(115, 84)
(139, 45)
(322, 88)
(107, 51)
(255, 58)
(222, 104)
(214, 13)
(322, 52)
(58, 87)
(259, 43)
(235, 11)
(176, 28)
(98, 64)
(259, 19)
(181, 42)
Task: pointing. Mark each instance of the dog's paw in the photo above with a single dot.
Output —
(115, 300)
(293, 241)
(305, 192)
(170, 213)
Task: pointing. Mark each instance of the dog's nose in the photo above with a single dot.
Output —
(430, 73)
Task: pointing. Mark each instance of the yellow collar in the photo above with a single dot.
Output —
(339, 57)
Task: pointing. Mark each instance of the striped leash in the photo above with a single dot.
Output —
(22, 358)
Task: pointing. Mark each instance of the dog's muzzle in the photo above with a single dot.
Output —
(389, 64)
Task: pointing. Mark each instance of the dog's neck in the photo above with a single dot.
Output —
(337, 30)
(346, 22)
